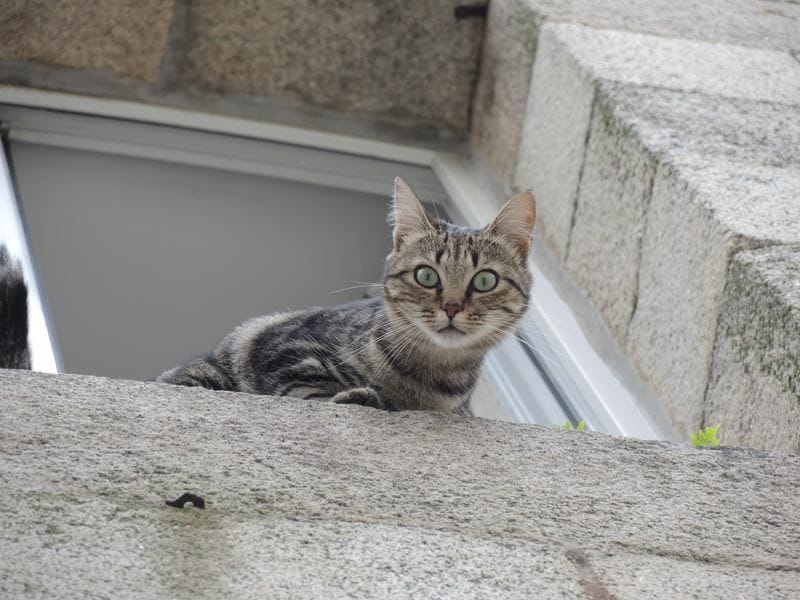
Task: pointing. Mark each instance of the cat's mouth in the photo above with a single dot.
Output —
(450, 330)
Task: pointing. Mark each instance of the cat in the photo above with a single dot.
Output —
(14, 350)
(450, 294)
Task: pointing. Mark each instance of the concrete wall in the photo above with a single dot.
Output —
(395, 68)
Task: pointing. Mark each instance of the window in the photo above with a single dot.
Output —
(143, 220)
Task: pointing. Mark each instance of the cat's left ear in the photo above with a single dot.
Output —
(515, 222)
(409, 216)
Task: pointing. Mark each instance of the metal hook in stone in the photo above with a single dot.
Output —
(179, 502)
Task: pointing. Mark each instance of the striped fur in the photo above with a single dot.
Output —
(401, 351)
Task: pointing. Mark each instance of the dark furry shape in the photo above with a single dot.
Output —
(14, 351)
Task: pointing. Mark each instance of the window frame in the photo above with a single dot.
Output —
(584, 385)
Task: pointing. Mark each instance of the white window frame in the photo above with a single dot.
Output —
(589, 388)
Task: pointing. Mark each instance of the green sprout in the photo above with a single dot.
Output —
(706, 438)
(579, 427)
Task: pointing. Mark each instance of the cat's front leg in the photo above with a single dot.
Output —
(365, 396)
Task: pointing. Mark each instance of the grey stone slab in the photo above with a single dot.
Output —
(409, 60)
(554, 132)
(685, 127)
(734, 162)
(712, 68)
(754, 389)
(106, 547)
(572, 61)
(501, 92)
(682, 271)
(651, 251)
(127, 40)
(609, 219)
(633, 576)
(697, 218)
(755, 23)
(88, 463)
(691, 45)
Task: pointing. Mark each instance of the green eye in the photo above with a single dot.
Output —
(426, 277)
(485, 281)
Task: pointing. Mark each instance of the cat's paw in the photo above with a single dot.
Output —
(364, 396)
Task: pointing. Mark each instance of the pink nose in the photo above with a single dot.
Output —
(452, 308)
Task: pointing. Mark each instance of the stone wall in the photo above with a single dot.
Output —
(397, 69)
(307, 499)
(662, 140)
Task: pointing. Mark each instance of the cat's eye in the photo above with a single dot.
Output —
(426, 277)
(485, 281)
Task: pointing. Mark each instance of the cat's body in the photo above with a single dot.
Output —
(449, 295)
(325, 352)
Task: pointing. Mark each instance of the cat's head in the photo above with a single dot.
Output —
(460, 287)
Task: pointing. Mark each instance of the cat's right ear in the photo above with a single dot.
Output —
(409, 216)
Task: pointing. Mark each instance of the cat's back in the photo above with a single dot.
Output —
(331, 338)
(320, 324)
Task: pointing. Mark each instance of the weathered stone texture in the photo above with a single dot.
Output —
(604, 244)
(514, 25)
(683, 264)
(555, 128)
(503, 85)
(725, 156)
(310, 499)
(754, 391)
(678, 64)
(634, 576)
(408, 60)
(755, 23)
(661, 159)
(126, 37)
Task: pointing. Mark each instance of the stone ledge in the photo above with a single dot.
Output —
(654, 161)
(310, 499)
(754, 391)
(513, 29)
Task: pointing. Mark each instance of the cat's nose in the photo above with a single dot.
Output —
(452, 308)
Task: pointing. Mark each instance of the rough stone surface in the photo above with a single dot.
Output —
(573, 62)
(556, 124)
(755, 23)
(672, 25)
(668, 264)
(410, 60)
(683, 265)
(656, 173)
(604, 244)
(678, 64)
(503, 84)
(121, 36)
(636, 576)
(754, 391)
(309, 499)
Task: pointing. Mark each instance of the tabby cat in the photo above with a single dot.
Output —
(449, 294)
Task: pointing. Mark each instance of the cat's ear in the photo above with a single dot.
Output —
(408, 215)
(515, 222)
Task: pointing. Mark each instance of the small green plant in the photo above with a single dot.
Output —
(579, 427)
(706, 438)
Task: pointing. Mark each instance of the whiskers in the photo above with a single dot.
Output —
(360, 284)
